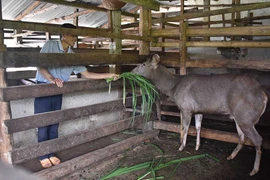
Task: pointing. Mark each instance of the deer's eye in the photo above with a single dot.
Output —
(143, 64)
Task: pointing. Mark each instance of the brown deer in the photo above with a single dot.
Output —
(239, 96)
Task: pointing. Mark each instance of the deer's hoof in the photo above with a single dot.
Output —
(253, 172)
(230, 157)
(197, 147)
(181, 148)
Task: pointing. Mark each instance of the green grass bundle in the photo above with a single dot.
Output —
(148, 91)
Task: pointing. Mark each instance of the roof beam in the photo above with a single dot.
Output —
(149, 4)
(27, 10)
(75, 4)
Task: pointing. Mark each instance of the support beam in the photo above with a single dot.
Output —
(205, 133)
(95, 156)
(27, 10)
(5, 139)
(144, 30)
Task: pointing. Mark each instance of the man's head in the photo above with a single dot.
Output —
(69, 39)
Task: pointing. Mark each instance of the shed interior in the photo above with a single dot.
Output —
(191, 36)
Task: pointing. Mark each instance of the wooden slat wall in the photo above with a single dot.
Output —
(22, 154)
(44, 119)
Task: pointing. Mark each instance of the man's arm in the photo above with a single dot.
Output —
(91, 75)
(45, 73)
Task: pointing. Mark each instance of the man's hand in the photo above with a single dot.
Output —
(116, 77)
(58, 82)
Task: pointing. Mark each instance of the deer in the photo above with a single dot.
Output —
(240, 97)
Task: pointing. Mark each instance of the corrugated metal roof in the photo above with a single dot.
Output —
(12, 8)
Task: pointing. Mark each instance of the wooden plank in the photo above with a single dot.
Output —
(148, 4)
(52, 28)
(44, 119)
(169, 32)
(251, 44)
(21, 74)
(205, 133)
(242, 64)
(25, 153)
(40, 90)
(230, 31)
(95, 156)
(218, 31)
(214, 12)
(24, 59)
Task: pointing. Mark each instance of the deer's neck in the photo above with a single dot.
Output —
(165, 81)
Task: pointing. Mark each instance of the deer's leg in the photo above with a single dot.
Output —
(256, 139)
(185, 122)
(198, 124)
(240, 143)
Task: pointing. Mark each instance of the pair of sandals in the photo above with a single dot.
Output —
(48, 162)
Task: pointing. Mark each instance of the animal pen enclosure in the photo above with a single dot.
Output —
(168, 34)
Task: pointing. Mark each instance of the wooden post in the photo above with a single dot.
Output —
(76, 23)
(162, 26)
(224, 24)
(116, 46)
(144, 30)
(207, 19)
(232, 19)
(5, 139)
(182, 45)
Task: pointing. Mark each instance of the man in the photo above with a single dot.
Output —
(58, 75)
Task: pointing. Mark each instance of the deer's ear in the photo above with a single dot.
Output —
(155, 60)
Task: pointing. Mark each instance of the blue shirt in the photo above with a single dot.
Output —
(62, 73)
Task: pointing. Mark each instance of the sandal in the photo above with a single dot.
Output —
(54, 160)
(45, 163)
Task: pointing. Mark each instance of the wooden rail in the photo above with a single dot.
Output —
(40, 90)
(25, 59)
(88, 159)
(205, 133)
(22, 154)
(44, 119)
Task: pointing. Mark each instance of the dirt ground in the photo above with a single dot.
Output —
(167, 147)
(203, 168)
